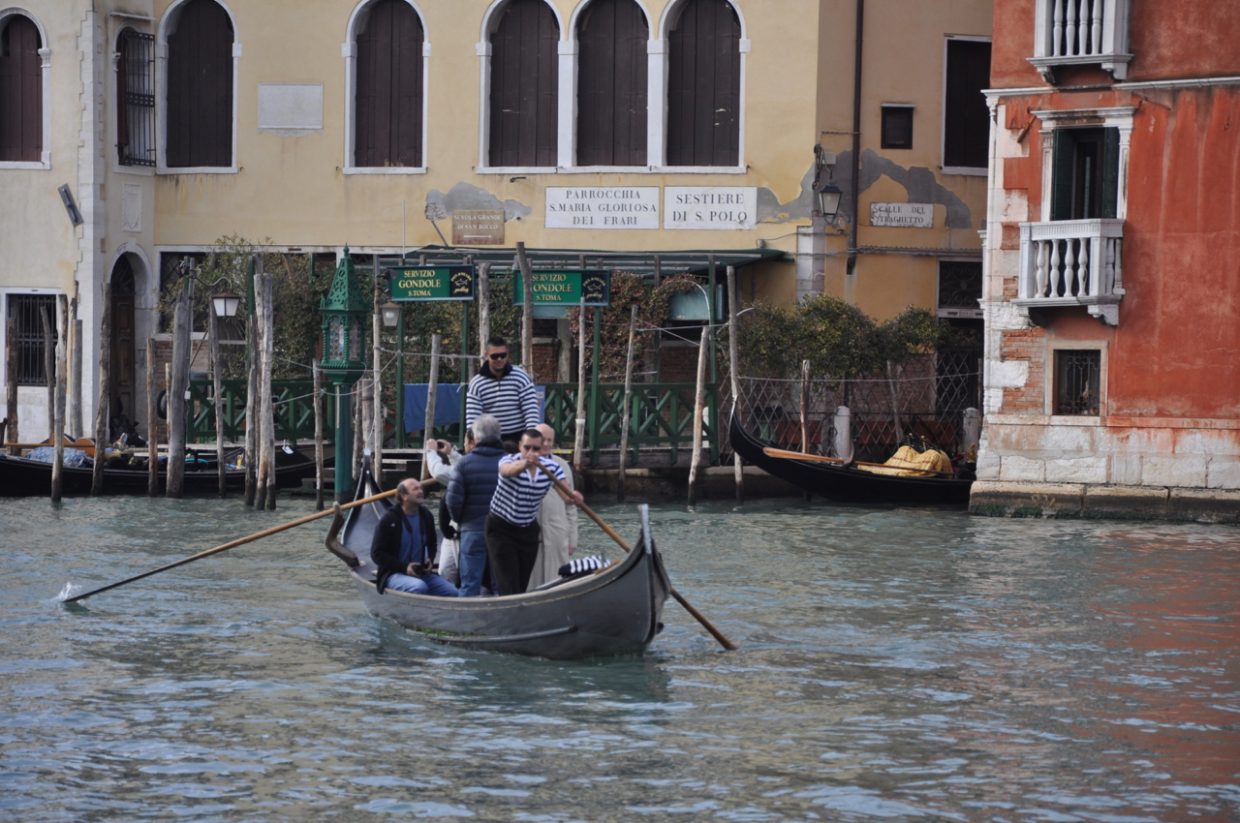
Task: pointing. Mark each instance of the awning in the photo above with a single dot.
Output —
(639, 262)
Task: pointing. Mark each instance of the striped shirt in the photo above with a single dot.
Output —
(518, 498)
(512, 398)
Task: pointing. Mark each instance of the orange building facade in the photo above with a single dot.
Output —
(1112, 261)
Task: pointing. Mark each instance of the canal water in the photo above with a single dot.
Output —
(898, 664)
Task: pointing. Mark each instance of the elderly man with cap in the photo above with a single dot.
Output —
(404, 546)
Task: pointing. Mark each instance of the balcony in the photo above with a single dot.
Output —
(1081, 32)
(1072, 263)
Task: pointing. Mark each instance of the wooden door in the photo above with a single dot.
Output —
(123, 375)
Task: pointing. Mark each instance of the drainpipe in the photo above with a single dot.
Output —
(855, 194)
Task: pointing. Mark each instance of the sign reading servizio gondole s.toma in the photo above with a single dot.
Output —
(565, 288)
(427, 283)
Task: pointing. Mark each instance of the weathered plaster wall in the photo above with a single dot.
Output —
(39, 246)
(292, 189)
(1170, 421)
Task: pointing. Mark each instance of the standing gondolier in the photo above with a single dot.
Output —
(504, 390)
(512, 526)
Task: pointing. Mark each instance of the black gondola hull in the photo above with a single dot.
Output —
(20, 477)
(849, 483)
(614, 612)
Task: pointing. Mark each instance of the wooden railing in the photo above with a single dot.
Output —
(660, 415)
(293, 410)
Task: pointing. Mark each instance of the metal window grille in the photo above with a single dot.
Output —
(960, 284)
(135, 133)
(1077, 379)
(25, 312)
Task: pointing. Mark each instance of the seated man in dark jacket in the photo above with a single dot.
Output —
(404, 546)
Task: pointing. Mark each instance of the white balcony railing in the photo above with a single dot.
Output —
(1081, 32)
(1072, 263)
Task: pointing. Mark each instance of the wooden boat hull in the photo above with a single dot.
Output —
(20, 477)
(839, 482)
(614, 612)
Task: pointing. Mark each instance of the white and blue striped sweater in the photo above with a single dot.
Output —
(512, 398)
(518, 498)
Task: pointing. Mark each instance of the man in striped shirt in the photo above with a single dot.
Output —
(504, 390)
(512, 524)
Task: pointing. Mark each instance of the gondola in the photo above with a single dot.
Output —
(849, 482)
(616, 611)
(23, 477)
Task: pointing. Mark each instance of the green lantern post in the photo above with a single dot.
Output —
(344, 308)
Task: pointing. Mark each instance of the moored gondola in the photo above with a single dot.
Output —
(616, 611)
(838, 480)
(23, 477)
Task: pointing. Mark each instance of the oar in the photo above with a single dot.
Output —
(784, 454)
(697, 615)
(234, 543)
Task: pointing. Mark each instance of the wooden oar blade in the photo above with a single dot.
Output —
(614, 535)
(229, 545)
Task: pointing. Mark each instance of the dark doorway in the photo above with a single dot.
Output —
(122, 370)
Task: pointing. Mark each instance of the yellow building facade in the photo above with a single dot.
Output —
(389, 125)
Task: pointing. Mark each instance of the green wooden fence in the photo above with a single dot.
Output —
(660, 415)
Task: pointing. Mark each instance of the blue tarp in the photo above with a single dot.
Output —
(73, 458)
(447, 404)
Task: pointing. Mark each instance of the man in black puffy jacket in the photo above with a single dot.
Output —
(404, 544)
(469, 500)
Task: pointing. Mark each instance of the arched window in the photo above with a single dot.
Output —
(388, 113)
(704, 85)
(611, 84)
(200, 86)
(21, 90)
(524, 78)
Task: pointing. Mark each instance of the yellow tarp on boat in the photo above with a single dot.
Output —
(908, 462)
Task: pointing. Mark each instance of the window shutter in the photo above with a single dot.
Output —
(21, 91)
(1063, 155)
(611, 120)
(704, 86)
(524, 83)
(1110, 172)
(200, 80)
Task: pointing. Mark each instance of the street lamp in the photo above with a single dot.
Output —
(343, 308)
(828, 201)
(391, 314)
(827, 195)
(225, 304)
